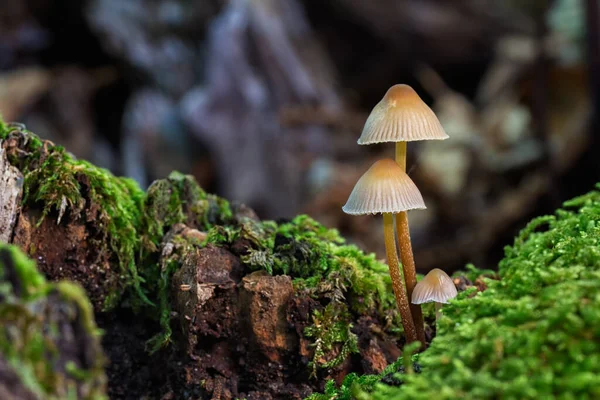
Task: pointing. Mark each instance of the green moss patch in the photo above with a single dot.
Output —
(533, 333)
(346, 281)
(35, 316)
(341, 276)
(179, 199)
(68, 188)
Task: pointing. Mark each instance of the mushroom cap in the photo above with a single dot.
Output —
(401, 116)
(435, 286)
(384, 188)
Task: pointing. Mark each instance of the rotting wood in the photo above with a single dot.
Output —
(11, 191)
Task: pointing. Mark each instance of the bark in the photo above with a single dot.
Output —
(11, 190)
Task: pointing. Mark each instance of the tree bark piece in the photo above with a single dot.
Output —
(11, 191)
(265, 299)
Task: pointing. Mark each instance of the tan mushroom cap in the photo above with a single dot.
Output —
(401, 116)
(384, 188)
(435, 286)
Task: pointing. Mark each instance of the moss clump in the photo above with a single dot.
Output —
(179, 199)
(349, 282)
(35, 316)
(532, 334)
(133, 228)
(176, 247)
(169, 203)
(318, 260)
(58, 183)
(331, 327)
(359, 387)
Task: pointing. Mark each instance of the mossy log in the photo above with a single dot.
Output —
(76, 220)
(227, 304)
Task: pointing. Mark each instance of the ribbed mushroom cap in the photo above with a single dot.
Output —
(401, 116)
(384, 188)
(435, 286)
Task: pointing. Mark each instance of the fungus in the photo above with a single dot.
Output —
(385, 188)
(436, 286)
(400, 117)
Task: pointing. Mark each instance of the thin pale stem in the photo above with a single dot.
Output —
(438, 313)
(406, 253)
(399, 290)
(401, 155)
(410, 275)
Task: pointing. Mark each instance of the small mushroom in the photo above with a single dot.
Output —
(385, 188)
(400, 117)
(436, 286)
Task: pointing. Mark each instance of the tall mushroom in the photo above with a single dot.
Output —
(400, 117)
(385, 188)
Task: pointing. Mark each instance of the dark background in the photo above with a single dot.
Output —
(263, 100)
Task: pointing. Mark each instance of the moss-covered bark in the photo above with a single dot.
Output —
(206, 300)
(100, 215)
(130, 249)
(49, 344)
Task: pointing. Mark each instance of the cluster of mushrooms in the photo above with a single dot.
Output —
(400, 117)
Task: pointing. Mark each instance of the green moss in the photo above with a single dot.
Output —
(314, 256)
(332, 331)
(31, 282)
(169, 266)
(76, 294)
(30, 338)
(531, 334)
(165, 204)
(58, 183)
(354, 387)
(318, 259)
(359, 387)
(349, 282)
(177, 199)
(321, 265)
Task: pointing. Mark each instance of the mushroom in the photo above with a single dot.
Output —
(400, 117)
(436, 286)
(385, 188)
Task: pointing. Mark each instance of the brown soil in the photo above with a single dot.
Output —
(68, 250)
(132, 372)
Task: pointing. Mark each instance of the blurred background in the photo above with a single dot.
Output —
(263, 101)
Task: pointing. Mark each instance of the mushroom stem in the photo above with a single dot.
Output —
(410, 276)
(406, 253)
(399, 290)
(438, 312)
(401, 155)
